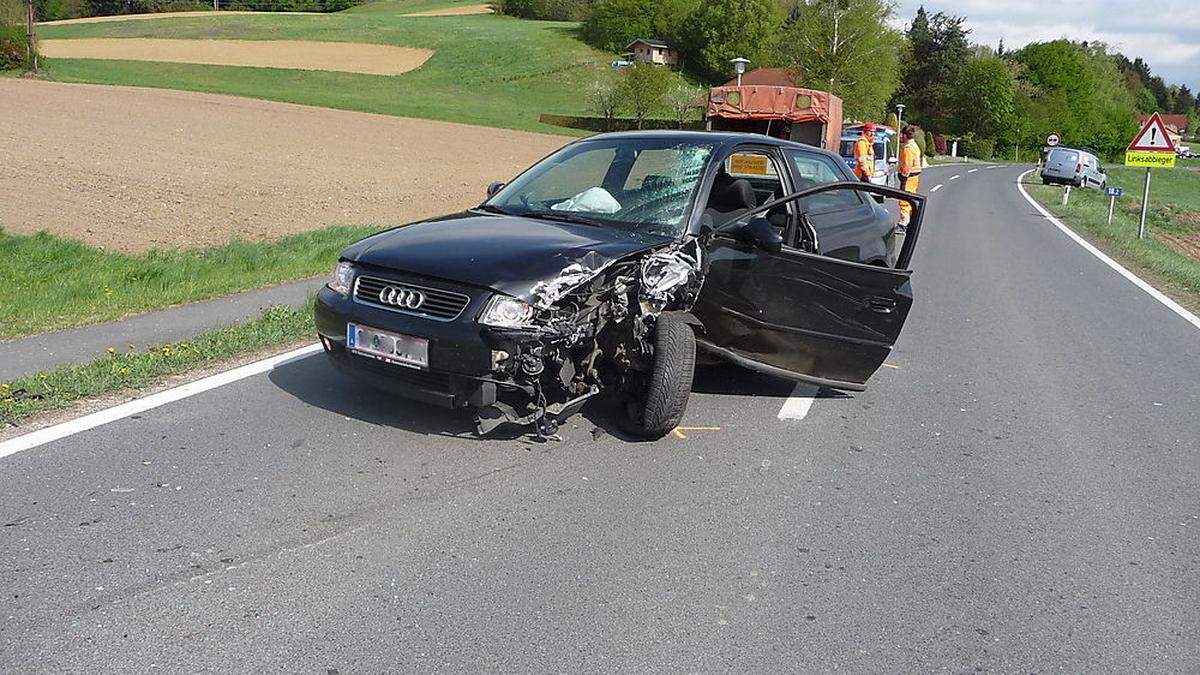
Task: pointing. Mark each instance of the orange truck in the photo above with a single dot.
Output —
(765, 104)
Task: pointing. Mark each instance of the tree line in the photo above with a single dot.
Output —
(989, 98)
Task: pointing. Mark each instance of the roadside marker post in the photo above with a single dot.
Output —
(1112, 193)
(1066, 194)
(1152, 147)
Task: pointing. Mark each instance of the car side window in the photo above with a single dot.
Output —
(812, 169)
(747, 178)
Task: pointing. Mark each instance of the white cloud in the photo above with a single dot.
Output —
(1165, 33)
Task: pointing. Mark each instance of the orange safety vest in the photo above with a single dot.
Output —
(864, 158)
(910, 159)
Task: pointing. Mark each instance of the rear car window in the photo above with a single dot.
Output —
(1064, 156)
(812, 170)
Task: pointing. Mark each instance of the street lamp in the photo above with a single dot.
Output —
(899, 124)
(739, 66)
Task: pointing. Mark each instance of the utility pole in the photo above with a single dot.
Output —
(30, 35)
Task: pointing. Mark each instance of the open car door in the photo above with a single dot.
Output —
(776, 306)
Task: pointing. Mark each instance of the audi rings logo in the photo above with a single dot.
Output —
(399, 296)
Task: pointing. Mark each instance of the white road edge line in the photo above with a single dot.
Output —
(972, 170)
(799, 403)
(936, 187)
(954, 177)
(1133, 278)
(102, 417)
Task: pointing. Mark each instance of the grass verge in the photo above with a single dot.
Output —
(48, 283)
(132, 371)
(1174, 214)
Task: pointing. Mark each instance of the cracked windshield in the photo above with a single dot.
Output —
(644, 186)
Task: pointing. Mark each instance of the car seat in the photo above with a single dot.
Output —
(729, 198)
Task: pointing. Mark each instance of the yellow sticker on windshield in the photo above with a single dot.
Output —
(745, 164)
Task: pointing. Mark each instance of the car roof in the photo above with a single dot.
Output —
(719, 138)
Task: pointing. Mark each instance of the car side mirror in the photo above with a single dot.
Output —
(496, 186)
(760, 233)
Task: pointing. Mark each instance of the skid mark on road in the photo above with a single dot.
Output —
(799, 403)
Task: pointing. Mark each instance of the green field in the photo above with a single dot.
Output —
(489, 70)
(90, 285)
(1174, 211)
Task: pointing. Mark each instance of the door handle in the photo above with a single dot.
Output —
(881, 305)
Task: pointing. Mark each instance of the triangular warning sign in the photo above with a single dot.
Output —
(1153, 137)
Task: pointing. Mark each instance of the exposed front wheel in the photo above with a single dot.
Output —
(659, 408)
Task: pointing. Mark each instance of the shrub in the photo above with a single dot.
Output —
(546, 10)
(980, 148)
(930, 145)
(13, 47)
(939, 144)
(54, 10)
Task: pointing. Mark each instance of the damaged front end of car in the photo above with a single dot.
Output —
(585, 331)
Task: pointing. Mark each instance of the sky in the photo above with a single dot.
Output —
(1165, 33)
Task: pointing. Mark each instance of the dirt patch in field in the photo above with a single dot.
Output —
(347, 57)
(130, 169)
(1187, 244)
(164, 15)
(454, 11)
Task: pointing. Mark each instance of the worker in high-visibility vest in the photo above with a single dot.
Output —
(910, 173)
(864, 153)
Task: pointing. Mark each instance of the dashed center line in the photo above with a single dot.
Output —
(972, 170)
(954, 177)
(799, 403)
(936, 187)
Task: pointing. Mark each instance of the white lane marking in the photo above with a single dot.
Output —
(954, 177)
(1133, 278)
(994, 166)
(799, 403)
(101, 417)
(972, 170)
(936, 187)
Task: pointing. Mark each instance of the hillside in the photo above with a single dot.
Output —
(485, 69)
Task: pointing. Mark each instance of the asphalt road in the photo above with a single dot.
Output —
(1018, 494)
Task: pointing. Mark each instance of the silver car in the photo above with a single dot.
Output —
(1070, 166)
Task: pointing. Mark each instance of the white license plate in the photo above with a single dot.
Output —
(403, 350)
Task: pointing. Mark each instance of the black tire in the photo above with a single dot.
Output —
(659, 408)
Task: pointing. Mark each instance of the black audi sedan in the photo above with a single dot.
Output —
(607, 265)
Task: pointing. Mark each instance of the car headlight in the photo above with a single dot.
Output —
(503, 311)
(343, 278)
